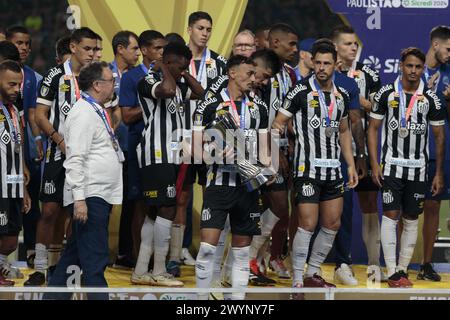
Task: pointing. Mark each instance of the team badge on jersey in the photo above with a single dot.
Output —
(388, 197)
(150, 79)
(393, 124)
(314, 122)
(171, 107)
(44, 91)
(65, 108)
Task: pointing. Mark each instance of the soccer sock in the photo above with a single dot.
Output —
(176, 241)
(371, 237)
(322, 246)
(220, 248)
(228, 265)
(240, 271)
(300, 249)
(54, 253)
(204, 268)
(41, 260)
(407, 243)
(146, 248)
(268, 221)
(389, 243)
(161, 240)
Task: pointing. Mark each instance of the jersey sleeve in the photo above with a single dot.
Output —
(148, 85)
(221, 65)
(292, 101)
(48, 88)
(437, 114)
(380, 104)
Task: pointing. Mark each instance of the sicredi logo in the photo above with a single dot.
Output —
(389, 65)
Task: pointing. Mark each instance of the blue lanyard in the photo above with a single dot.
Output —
(284, 83)
(102, 115)
(144, 68)
(199, 75)
(323, 104)
(117, 77)
(12, 127)
(243, 106)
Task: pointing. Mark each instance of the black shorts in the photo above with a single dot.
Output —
(10, 217)
(52, 186)
(159, 184)
(404, 195)
(197, 170)
(309, 190)
(243, 207)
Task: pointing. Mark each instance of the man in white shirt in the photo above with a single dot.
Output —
(93, 181)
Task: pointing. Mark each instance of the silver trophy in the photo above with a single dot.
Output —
(251, 173)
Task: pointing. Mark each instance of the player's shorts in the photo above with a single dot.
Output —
(400, 194)
(159, 184)
(10, 217)
(197, 173)
(309, 190)
(243, 207)
(52, 186)
(445, 195)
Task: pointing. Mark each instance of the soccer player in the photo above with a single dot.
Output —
(283, 41)
(319, 109)
(225, 194)
(63, 50)
(58, 92)
(403, 110)
(15, 176)
(436, 71)
(205, 66)
(20, 37)
(151, 44)
(160, 97)
(369, 83)
(126, 55)
(244, 43)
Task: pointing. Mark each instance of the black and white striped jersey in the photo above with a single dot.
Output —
(58, 91)
(255, 121)
(10, 161)
(406, 158)
(316, 155)
(367, 79)
(163, 131)
(277, 89)
(206, 71)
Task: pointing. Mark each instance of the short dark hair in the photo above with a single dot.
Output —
(177, 49)
(261, 28)
(238, 60)
(324, 47)
(174, 37)
(98, 37)
(10, 65)
(91, 73)
(122, 38)
(412, 51)
(440, 32)
(8, 51)
(79, 34)
(63, 47)
(342, 29)
(148, 36)
(322, 41)
(199, 15)
(11, 31)
(269, 57)
(283, 28)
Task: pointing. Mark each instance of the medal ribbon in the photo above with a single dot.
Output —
(240, 119)
(77, 88)
(13, 123)
(198, 76)
(405, 115)
(323, 104)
